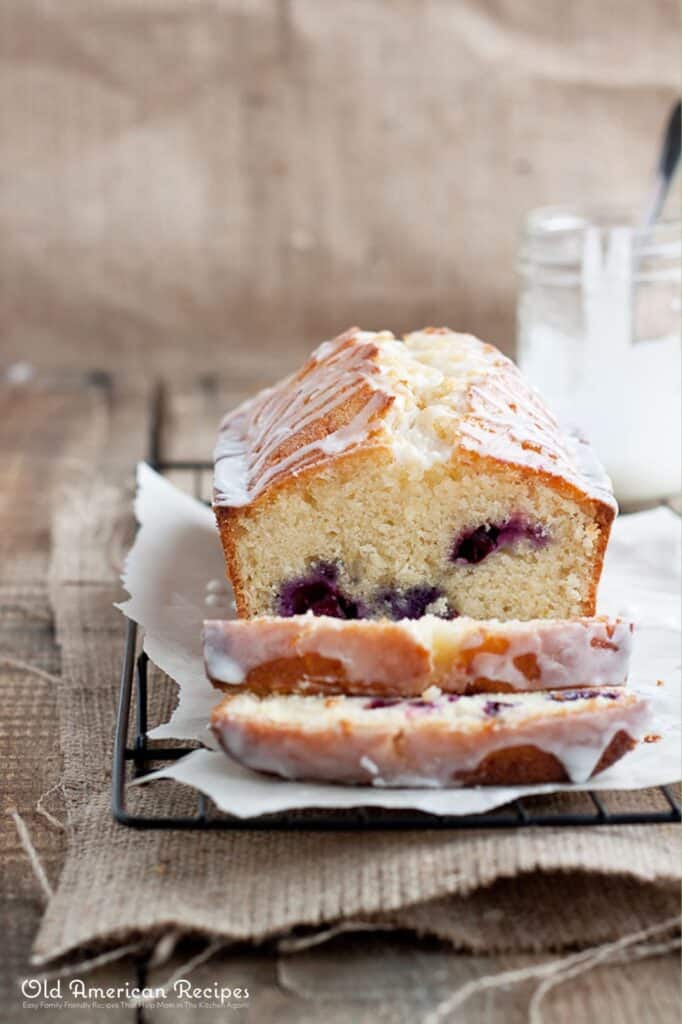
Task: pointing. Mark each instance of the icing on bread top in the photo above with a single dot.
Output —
(329, 406)
(410, 654)
(427, 397)
(443, 736)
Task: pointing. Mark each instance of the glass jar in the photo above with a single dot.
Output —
(599, 337)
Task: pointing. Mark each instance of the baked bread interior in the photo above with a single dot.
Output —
(394, 479)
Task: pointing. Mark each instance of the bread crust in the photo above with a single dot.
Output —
(428, 751)
(528, 765)
(309, 655)
(336, 409)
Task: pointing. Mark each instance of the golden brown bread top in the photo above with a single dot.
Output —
(437, 396)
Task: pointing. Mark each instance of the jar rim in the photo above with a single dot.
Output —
(554, 237)
(567, 219)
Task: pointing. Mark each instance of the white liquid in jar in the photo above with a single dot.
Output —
(624, 395)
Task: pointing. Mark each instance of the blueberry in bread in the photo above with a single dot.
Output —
(394, 479)
(434, 740)
(325, 655)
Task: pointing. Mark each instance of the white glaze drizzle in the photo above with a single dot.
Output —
(506, 420)
(249, 456)
(233, 648)
(563, 653)
(576, 733)
(426, 397)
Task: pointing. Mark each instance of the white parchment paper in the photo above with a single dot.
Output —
(175, 577)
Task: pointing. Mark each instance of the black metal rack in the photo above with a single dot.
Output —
(142, 753)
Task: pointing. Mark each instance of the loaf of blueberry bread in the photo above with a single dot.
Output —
(391, 479)
(323, 655)
(435, 740)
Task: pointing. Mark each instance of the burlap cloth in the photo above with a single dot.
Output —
(260, 175)
(495, 891)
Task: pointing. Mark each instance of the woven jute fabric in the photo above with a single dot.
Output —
(261, 175)
(529, 889)
(480, 892)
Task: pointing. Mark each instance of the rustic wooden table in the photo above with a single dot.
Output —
(361, 977)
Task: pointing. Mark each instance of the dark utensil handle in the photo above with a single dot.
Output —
(670, 153)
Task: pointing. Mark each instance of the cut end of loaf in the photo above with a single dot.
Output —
(393, 479)
(362, 539)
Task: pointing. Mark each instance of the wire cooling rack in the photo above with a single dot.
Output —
(136, 755)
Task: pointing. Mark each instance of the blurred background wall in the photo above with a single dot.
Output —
(182, 178)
